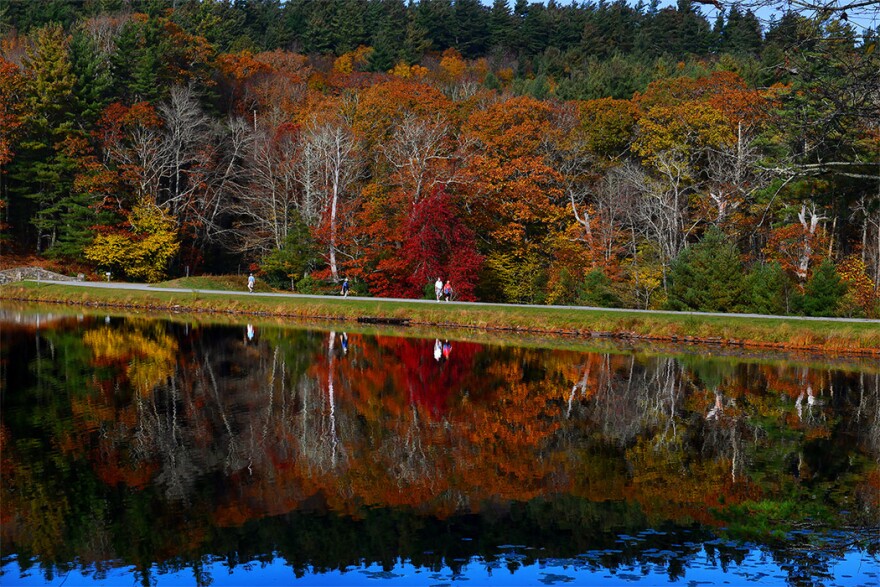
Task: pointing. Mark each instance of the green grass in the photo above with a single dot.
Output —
(844, 337)
(215, 282)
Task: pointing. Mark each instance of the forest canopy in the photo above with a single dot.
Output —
(527, 152)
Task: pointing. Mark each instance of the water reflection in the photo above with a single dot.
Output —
(157, 445)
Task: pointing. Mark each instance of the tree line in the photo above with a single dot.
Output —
(590, 153)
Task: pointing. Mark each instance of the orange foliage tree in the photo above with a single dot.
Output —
(514, 195)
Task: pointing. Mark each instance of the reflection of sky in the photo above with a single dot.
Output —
(853, 570)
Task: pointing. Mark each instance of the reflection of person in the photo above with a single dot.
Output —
(344, 338)
(438, 288)
(438, 348)
(447, 348)
(345, 287)
(717, 409)
(250, 331)
(251, 282)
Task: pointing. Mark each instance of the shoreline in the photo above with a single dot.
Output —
(859, 338)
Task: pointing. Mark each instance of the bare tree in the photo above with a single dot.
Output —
(809, 219)
(571, 157)
(188, 130)
(138, 153)
(734, 174)
(104, 29)
(423, 153)
(843, 9)
(615, 200)
(266, 210)
(222, 177)
(661, 214)
(331, 165)
(868, 208)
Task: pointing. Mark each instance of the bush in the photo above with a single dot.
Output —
(596, 290)
(144, 251)
(309, 285)
(299, 254)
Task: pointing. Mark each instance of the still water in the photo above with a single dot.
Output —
(141, 451)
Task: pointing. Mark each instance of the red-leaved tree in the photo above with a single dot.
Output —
(436, 243)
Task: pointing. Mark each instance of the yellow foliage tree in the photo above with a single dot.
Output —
(353, 60)
(146, 352)
(144, 251)
(452, 66)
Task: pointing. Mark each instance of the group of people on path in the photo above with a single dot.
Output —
(442, 290)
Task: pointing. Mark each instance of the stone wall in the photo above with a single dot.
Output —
(31, 273)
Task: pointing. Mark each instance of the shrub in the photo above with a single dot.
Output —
(596, 290)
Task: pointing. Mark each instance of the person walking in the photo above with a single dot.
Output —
(438, 288)
(251, 282)
(345, 288)
(447, 291)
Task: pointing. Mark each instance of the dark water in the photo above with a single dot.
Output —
(142, 451)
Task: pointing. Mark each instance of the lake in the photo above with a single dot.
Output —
(197, 451)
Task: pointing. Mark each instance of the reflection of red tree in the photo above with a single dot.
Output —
(115, 468)
(429, 382)
(405, 367)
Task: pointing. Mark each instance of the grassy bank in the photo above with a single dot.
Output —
(776, 333)
(534, 340)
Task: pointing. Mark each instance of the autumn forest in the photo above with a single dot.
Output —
(604, 154)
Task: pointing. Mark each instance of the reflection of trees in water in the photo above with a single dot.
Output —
(215, 414)
(267, 426)
(625, 397)
(867, 412)
(408, 463)
(236, 409)
(321, 428)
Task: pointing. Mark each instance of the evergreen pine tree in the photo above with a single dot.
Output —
(285, 266)
(500, 24)
(741, 33)
(93, 89)
(260, 20)
(694, 33)
(349, 26)
(135, 64)
(416, 41)
(437, 18)
(707, 277)
(471, 28)
(823, 291)
(318, 35)
(41, 173)
(383, 56)
(768, 289)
